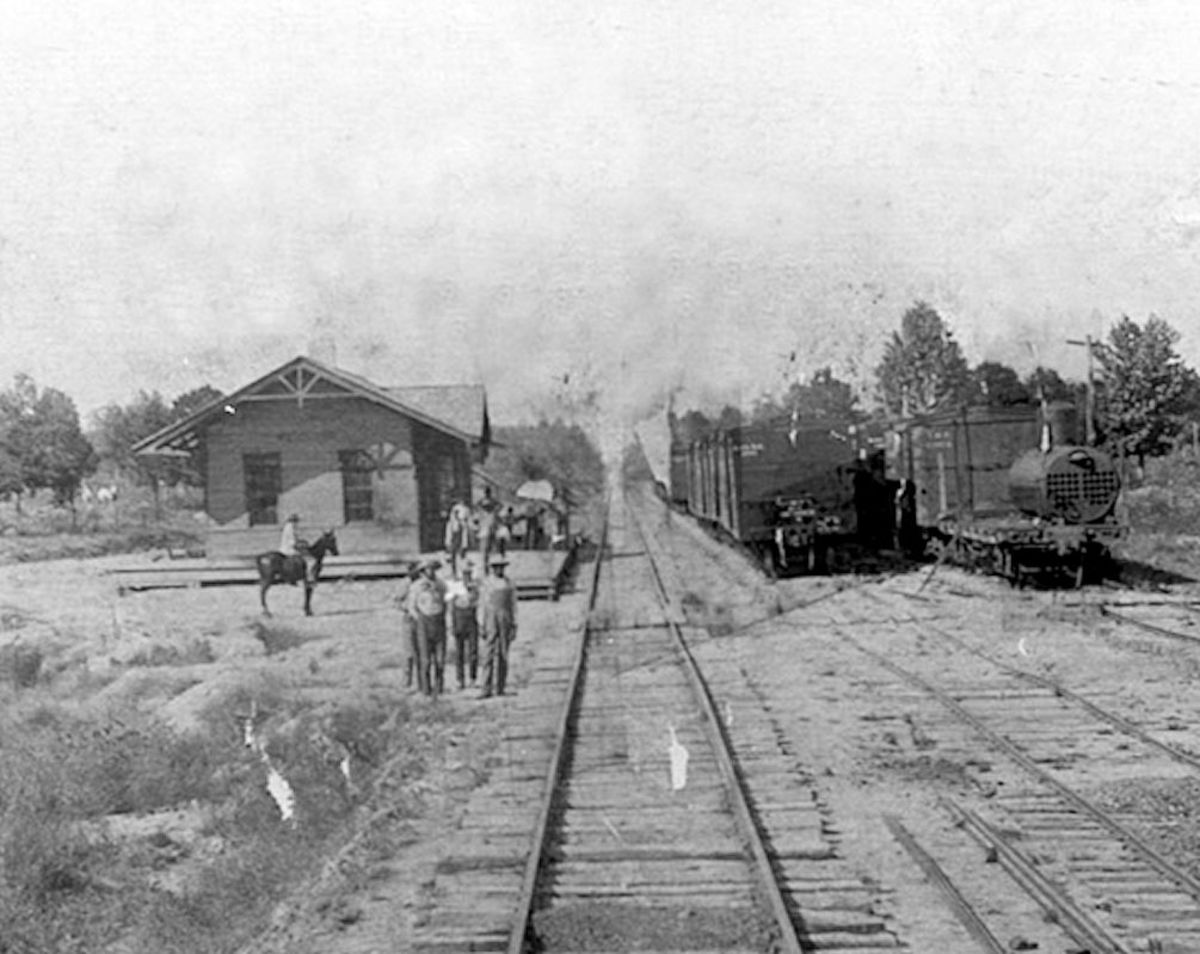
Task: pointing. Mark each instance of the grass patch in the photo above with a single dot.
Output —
(42, 531)
(73, 879)
(278, 637)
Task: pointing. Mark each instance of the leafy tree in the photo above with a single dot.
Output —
(191, 401)
(824, 396)
(1047, 384)
(118, 428)
(998, 385)
(16, 436)
(62, 455)
(1147, 386)
(558, 452)
(41, 443)
(923, 368)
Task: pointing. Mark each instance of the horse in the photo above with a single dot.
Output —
(274, 567)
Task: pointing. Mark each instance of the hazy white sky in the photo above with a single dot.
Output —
(642, 194)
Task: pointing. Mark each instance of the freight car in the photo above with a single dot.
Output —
(788, 492)
(1008, 490)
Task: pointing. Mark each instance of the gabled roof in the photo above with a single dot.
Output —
(462, 406)
(457, 410)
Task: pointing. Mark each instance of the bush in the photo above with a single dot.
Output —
(1168, 499)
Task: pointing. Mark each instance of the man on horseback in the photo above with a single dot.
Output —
(298, 562)
(294, 562)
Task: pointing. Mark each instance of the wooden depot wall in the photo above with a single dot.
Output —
(417, 470)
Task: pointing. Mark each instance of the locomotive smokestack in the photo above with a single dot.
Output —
(1062, 420)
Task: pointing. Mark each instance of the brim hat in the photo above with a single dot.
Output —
(498, 561)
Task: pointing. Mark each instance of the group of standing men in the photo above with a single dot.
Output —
(472, 612)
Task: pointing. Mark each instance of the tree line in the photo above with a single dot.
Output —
(1144, 395)
(44, 446)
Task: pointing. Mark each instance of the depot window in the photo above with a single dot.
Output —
(264, 481)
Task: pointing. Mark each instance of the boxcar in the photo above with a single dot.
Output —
(1006, 489)
(787, 492)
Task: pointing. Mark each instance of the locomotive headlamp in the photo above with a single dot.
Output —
(1081, 458)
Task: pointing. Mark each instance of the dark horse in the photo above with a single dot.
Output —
(274, 567)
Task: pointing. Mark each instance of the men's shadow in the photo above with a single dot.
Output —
(1139, 575)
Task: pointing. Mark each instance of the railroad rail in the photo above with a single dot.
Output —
(1171, 618)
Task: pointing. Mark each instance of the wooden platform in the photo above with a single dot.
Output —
(538, 574)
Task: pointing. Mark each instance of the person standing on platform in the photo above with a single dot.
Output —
(504, 530)
(533, 528)
(485, 520)
(408, 625)
(498, 625)
(458, 535)
(464, 605)
(427, 601)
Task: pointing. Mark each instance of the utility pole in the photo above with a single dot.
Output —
(1090, 407)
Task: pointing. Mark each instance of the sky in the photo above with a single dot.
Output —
(638, 197)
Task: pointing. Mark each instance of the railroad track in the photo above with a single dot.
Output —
(628, 823)
(1089, 859)
(1055, 815)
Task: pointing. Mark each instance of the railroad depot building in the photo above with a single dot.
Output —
(380, 465)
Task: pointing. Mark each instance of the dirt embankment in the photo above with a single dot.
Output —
(135, 818)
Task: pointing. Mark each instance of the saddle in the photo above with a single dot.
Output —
(294, 568)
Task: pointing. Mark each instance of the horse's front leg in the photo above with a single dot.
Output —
(308, 591)
(262, 598)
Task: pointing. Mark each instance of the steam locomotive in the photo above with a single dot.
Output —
(1008, 490)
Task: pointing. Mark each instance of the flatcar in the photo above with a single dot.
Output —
(787, 491)
(1008, 490)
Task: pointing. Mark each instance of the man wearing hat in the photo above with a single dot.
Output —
(498, 625)
(458, 534)
(427, 603)
(287, 538)
(408, 625)
(464, 604)
(295, 549)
